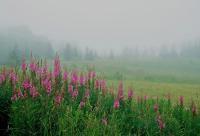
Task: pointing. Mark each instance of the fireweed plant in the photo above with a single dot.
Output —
(38, 101)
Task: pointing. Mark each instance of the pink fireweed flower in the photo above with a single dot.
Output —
(194, 109)
(181, 99)
(156, 107)
(2, 78)
(45, 69)
(13, 77)
(47, 85)
(23, 65)
(32, 65)
(65, 76)
(89, 75)
(87, 93)
(58, 99)
(130, 94)
(116, 104)
(145, 98)
(19, 94)
(57, 67)
(81, 80)
(97, 84)
(70, 89)
(39, 71)
(74, 77)
(75, 93)
(160, 122)
(104, 121)
(82, 104)
(103, 86)
(26, 84)
(49, 75)
(14, 97)
(33, 92)
(120, 91)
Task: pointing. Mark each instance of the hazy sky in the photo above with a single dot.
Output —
(106, 22)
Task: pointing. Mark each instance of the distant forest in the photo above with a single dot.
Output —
(20, 41)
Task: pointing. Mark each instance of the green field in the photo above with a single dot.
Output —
(150, 76)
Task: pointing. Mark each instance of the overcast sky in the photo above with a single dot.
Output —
(106, 22)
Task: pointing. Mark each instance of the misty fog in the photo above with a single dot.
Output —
(100, 28)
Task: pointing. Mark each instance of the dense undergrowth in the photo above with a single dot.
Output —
(36, 100)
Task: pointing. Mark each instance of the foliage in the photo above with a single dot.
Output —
(59, 102)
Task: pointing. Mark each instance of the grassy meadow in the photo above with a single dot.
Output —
(101, 97)
(150, 76)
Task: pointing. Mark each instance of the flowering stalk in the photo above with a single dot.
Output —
(33, 65)
(120, 95)
(81, 80)
(33, 92)
(160, 122)
(58, 100)
(130, 94)
(116, 104)
(24, 66)
(57, 67)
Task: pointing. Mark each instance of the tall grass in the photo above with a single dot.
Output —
(39, 101)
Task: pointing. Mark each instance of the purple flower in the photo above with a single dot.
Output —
(120, 91)
(82, 104)
(33, 65)
(160, 122)
(26, 84)
(194, 109)
(89, 75)
(47, 85)
(14, 97)
(33, 92)
(103, 86)
(13, 77)
(145, 97)
(130, 94)
(97, 83)
(23, 65)
(87, 93)
(81, 80)
(74, 77)
(57, 67)
(58, 99)
(70, 89)
(116, 104)
(65, 76)
(2, 78)
(19, 94)
(75, 93)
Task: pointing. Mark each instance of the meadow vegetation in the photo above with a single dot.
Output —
(40, 99)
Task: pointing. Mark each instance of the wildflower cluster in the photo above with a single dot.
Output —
(60, 102)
